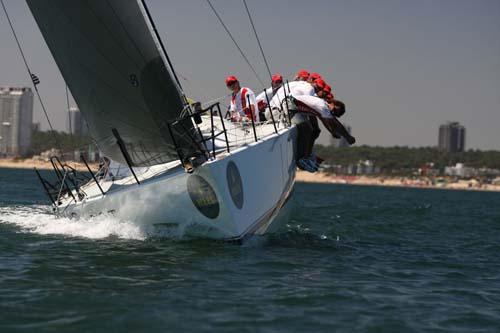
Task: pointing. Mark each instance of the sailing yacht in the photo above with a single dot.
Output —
(170, 163)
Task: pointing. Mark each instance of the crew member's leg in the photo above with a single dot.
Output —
(314, 135)
(304, 134)
(315, 126)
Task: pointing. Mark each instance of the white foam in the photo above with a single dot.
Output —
(37, 219)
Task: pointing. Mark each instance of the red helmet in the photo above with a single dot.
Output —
(277, 78)
(320, 84)
(303, 74)
(231, 79)
(328, 89)
(315, 76)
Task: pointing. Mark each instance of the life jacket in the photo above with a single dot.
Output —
(261, 105)
(243, 100)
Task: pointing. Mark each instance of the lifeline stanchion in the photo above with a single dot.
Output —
(251, 117)
(270, 111)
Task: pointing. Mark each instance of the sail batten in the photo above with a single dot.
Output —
(117, 73)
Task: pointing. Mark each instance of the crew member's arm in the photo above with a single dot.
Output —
(334, 125)
(252, 110)
(235, 116)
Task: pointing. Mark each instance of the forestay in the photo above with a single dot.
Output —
(111, 60)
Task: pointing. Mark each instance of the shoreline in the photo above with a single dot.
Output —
(305, 177)
(403, 182)
(41, 165)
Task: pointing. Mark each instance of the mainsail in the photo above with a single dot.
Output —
(111, 60)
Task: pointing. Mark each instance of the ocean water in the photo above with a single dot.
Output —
(352, 259)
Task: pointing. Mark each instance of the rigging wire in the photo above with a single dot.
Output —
(150, 18)
(258, 40)
(33, 77)
(235, 43)
(72, 138)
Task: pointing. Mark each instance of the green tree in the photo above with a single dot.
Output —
(45, 140)
(397, 158)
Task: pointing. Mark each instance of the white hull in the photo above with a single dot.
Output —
(267, 174)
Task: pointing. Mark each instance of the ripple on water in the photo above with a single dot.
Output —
(351, 259)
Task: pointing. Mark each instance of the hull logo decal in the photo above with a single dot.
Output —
(235, 184)
(203, 196)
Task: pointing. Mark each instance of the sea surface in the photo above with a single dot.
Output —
(352, 259)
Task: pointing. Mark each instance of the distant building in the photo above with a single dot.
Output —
(460, 170)
(16, 118)
(342, 142)
(363, 167)
(452, 137)
(76, 124)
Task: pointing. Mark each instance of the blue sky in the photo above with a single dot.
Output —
(402, 67)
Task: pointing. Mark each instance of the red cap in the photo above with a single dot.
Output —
(277, 78)
(303, 74)
(328, 89)
(315, 76)
(231, 79)
(320, 84)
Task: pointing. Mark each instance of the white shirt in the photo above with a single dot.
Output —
(239, 102)
(297, 88)
(262, 95)
(317, 104)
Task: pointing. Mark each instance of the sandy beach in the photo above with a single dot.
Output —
(40, 164)
(423, 182)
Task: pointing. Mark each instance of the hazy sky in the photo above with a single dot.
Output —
(402, 67)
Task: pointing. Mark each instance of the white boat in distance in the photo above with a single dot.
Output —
(174, 165)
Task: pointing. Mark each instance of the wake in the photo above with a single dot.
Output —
(38, 220)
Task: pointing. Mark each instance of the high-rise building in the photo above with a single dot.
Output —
(76, 124)
(16, 118)
(342, 142)
(452, 137)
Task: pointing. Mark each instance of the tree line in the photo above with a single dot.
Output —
(405, 158)
(45, 140)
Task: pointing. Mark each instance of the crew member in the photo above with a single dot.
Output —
(262, 99)
(319, 86)
(313, 77)
(337, 108)
(276, 83)
(327, 91)
(301, 75)
(243, 104)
